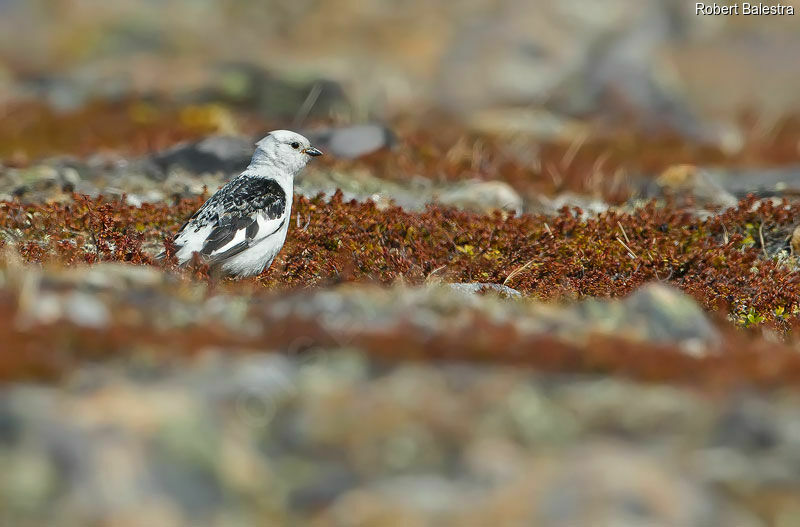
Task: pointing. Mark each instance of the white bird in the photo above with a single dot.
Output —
(242, 227)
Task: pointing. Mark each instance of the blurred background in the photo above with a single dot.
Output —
(655, 61)
(519, 105)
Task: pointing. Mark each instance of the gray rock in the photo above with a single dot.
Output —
(351, 440)
(478, 288)
(707, 188)
(482, 196)
(70, 179)
(551, 206)
(72, 89)
(656, 313)
(576, 59)
(351, 142)
(362, 185)
(49, 180)
(152, 169)
(722, 186)
(430, 493)
(534, 123)
(670, 314)
(10, 181)
(226, 154)
(115, 276)
(414, 194)
(763, 182)
(642, 491)
(748, 426)
(324, 489)
(85, 310)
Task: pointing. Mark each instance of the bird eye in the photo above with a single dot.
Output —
(295, 145)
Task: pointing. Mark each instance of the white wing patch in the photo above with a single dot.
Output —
(191, 242)
(267, 227)
(238, 238)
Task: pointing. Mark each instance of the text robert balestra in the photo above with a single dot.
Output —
(744, 8)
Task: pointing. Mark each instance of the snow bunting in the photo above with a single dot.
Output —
(241, 228)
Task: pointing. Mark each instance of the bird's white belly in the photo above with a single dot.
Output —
(255, 259)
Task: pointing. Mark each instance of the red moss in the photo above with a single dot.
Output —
(562, 257)
(552, 258)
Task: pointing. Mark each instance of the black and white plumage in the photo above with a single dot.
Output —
(241, 228)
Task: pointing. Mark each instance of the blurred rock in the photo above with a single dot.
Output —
(479, 288)
(95, 296)
(573, 58)
(533, 122)
(682, 181)
(70, 91)
(148, 298)
(339, 439)
(551, 206)
(274, 97)
(351, 142)
(641, 491)
(763, 182)
(670, 314)
(53, 179)
(414, 194)
(70, 179)
(410, 499)
(655, 313)
(747, 426)
(85, 310)
(721, 187)
(362, 185)
(482, 196)
(226, 154)
(749, 444)
(114, 275)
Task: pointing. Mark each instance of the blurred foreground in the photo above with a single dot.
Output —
(335, 438)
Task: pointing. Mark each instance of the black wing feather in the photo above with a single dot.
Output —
(236, 249)
(252, 230)
(226, 229)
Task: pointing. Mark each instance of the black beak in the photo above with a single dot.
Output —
(313, 152)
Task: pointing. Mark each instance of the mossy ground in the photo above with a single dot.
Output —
(736, 263)
(719, 261)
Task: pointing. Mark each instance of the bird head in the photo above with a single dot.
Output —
(285, 149)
